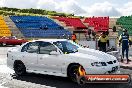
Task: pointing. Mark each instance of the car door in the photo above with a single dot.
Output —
(49, 62)
(29, 55)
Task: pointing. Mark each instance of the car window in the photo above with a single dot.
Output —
(31, 47)
(24, 48)
(46, 48)
(66, 47)
(59, 45)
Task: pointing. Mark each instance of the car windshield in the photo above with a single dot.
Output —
(66, 47)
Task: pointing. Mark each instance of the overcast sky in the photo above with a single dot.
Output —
(78, 7)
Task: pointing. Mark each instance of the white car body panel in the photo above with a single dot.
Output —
(57, 64)
(30, 60)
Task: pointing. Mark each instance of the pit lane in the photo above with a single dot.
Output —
(9, 80)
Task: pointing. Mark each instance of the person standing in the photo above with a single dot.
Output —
(124, 39)
(103, 41)
(74, 37)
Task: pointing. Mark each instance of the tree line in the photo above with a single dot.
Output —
(15, 11)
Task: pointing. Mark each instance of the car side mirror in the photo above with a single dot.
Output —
(54, 53)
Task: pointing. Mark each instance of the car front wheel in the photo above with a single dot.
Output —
(74, 73)
(19, 68)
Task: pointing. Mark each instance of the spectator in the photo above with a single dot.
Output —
(103, 41)
(124, 39)
(107, 33)
(74, 37)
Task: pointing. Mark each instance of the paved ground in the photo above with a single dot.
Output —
(124, 64)
(9, 80)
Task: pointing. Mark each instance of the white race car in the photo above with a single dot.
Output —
(60, 57)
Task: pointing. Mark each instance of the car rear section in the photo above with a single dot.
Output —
(11, 57)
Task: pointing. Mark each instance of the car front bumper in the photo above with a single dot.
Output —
(114, 69)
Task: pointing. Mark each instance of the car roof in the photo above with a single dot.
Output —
(50, 40)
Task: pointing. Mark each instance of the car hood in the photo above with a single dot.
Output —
(93, 55)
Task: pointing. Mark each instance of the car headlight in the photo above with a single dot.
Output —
(99, 64)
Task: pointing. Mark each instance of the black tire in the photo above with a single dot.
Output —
(81, 81)
(73, 72)
(3, 44)
(19, 68)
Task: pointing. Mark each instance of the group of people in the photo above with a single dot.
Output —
(103, 43)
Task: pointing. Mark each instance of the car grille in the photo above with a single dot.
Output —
(103, 64)
(112, 62)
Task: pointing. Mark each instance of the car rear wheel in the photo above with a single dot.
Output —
(19, 68)
(3, 44)
(74, 73)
